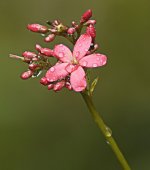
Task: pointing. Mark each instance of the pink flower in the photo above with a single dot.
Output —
(73, 64)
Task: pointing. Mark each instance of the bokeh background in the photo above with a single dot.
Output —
(43, 130)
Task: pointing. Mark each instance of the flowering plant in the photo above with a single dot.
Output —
(71, 68)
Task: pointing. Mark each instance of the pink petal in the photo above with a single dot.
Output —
(77, 79)
(57, 72)
(70, 68)
(93, 60)
(82, 46)
(63, 53)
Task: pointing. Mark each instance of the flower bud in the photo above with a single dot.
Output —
(93, 22)
(28, 56)
(50, 38)
(50, 86)
(38, 47)
(71, 30)
(91, 31)
(37, 28)
(47, 52)
(68, 85)
(44, 81)
(86, 16)
(59, 85)
(33, 66)
(26, 75)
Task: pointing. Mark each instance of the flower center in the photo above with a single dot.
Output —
(74, 61)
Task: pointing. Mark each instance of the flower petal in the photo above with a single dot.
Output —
(63, 53)
(93, 60)
(82, 46)
(77, 79)
(57, 72)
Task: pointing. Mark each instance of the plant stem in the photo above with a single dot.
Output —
(105, 130)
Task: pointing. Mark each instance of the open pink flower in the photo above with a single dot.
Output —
(73, 63)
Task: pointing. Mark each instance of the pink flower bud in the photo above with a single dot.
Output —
(59, 85)
(26, 74)
(29, 54)
(68, 85)
(86, 16)
(33, 66)
(71, 30)
(50, 86)
(50, 38)
(96, 46)
(91, 31)
(38, 47)
(44, 81)
(47, 52)
(93, 22)
(37, 28)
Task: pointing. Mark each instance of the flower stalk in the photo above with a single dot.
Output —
(105, 130)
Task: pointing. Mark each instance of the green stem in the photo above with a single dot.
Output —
(105, 130)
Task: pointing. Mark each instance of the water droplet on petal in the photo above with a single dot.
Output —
(86, 50)
(80, 45)
(98, 59)
(84, 63)
(61, 54)
(104, 62)
(98, 54)
(95, 65)
(77, 54)
(52, 69)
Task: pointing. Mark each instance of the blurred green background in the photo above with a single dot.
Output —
(43, 130)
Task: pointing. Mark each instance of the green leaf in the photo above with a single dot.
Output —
(93, 85)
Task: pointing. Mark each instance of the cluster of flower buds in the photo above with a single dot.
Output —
(56, 85)
(69, 70)
(37, 62)
(59, 29)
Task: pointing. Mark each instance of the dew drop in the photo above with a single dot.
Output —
(84, 63)
(61, 54)
(98, 59)
(77, 54)
(52, 69)
(108, 132)
(95, 65)
(107, 142)
(80, 45)
(86, 50)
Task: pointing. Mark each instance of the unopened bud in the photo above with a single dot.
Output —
(71, 30)
(44, 81)
(37, 28)
(26, 74)
(86, 16)
(59, 85)
(47, 52)
(50, 38)
(28, 56)
(38, 47)
(93, 22)
(96, 46)
(50, 86)
(68, 85)
(91, 31)
(33, 66)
